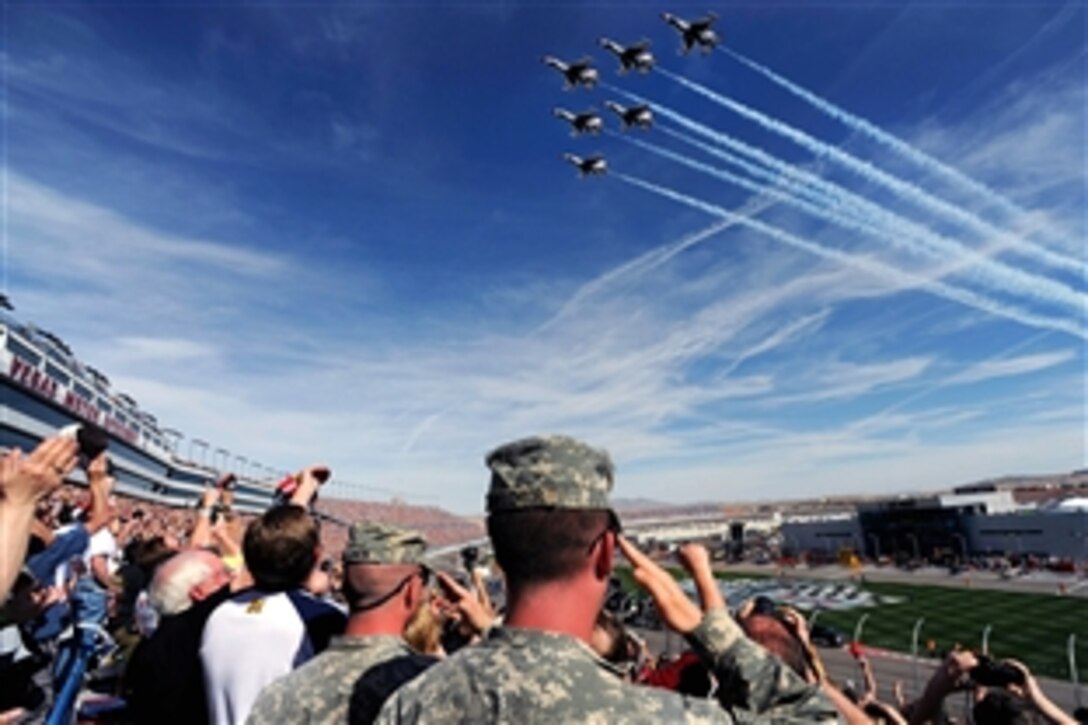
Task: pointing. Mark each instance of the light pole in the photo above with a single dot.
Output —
(203, 445)
(876, 547)
(240, 462)
(172, 438)
(963, 544)
(226, 458)
(1074, 676)
(914, 541)
(860, 627)
(914, 652)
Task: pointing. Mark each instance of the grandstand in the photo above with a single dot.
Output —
(441, 527)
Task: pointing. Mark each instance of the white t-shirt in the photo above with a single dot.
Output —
(103, 544)
(256, 637)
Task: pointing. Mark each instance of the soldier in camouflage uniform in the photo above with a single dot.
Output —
(384, 583)
(538, 667)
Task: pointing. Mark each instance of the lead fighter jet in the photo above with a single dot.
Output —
(579, 73)
(585, 122)
(640, 115)
(633, 57)
(695, 32)
(589, 166)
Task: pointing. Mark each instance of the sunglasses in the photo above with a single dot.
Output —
(613, 525)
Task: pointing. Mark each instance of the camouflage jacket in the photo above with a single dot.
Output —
(530, 676)
(320, 690)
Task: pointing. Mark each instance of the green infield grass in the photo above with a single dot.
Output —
(1033, 628)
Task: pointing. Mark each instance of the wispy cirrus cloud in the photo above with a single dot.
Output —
(158, 349)
(1022, 365)
(52, 226)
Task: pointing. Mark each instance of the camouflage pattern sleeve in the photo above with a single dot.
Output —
(758, 684)
(273, 705)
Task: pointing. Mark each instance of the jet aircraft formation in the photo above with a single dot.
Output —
(634, 57)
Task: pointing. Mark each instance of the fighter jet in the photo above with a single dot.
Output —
(695, 32)
(579, 73)
(633, 57)
(585, 122)
(590, 166)
(634, 116)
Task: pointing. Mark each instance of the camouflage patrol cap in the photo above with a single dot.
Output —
(370, 542)
(549, 472)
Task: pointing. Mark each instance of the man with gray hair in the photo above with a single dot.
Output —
(554, 533)
(185, 579)
(164, 681)
(384, 584)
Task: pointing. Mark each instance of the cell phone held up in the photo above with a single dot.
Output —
(470, 556)
(92, 441)
(286, 488)
(992, 673)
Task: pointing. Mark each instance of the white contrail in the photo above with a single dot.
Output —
(775, 178)
(805, 183)
(956, 294)
(877, 221)
(886, 139)
(871, 173)
(847, 201)
(833, 192)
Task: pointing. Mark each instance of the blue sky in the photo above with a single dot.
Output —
(345, 233)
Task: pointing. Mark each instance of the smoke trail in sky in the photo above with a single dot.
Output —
(965, 297)
(835, 194)
(822, 212)
(871, 173)
(880, 223)
(851, 204)
(786, 181)
(888, 140)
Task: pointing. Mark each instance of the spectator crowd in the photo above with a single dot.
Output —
(115, 611)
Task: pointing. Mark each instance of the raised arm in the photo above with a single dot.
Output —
(949, 677)
(770, 689)
(201, 535)
(696, 561)
(309, 480)
(23, 481)
(101, 484)
(1038, 698)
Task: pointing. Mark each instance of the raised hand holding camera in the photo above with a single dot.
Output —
(300, 489)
